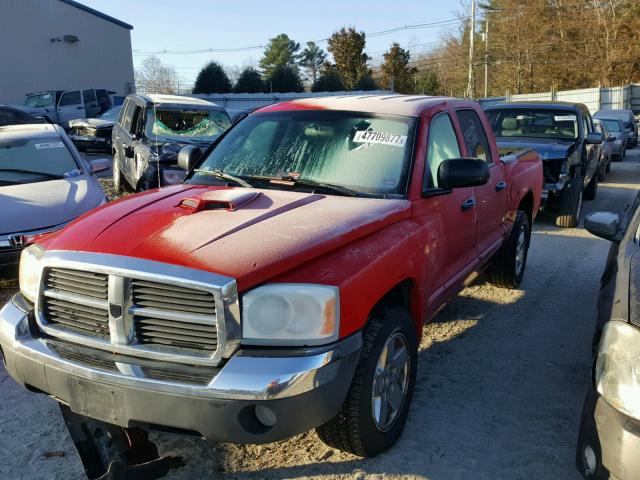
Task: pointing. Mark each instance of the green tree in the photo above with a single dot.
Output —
(347, 48)
(328, 81)
(212, 79)
(280, 52)
(249, 81)
(427, 83)
(366, 82)
(284, 79)
(312, 59)
(397, 75)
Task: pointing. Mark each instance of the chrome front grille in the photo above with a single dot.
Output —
(77, 301)
(139, 308)
(170, 316)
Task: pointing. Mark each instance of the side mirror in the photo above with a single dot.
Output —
(604, 225)
(99, 165)
(188, 157)
(595, 138)
(463, 172)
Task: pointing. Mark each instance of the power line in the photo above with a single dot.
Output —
(417, 26)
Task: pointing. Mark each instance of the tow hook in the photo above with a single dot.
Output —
(110, 452)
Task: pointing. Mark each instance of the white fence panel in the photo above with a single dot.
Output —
(531, 97)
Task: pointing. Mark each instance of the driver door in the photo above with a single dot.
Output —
(447, 218)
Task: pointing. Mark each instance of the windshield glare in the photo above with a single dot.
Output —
(612, 125)
(514, 122)
(40, 100)
(197, 124)
(111, 114)
(34, 160)
(363, 152)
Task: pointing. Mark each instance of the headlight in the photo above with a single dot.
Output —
(290, 314)
(618, 367)
(30, 270)
(171, 176)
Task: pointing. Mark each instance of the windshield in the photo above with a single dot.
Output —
(359, 151)
(25, 160)
(40, 100)
(111, 114)
(537, 123)
(612, 125)
(176, 123)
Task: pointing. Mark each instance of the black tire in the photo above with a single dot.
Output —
(507, 268)
(571, 204)
(118, 180)
(607, 167)
(354, 428)
(592, 189)
(601, 170)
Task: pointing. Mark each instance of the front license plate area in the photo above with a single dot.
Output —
(98, 401)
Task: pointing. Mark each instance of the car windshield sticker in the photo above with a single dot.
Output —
(43, 146)
(565, 118)
(382, 138)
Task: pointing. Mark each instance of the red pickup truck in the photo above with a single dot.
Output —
(284, 285)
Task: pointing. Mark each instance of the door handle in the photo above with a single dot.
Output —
(501, 185)
(468, 204)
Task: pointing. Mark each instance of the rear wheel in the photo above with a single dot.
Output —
(375, 410)
(507, 267)
(117, 175)
(607, 167)
(571, 204)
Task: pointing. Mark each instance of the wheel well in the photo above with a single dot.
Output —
(526, 205)
(403, 294)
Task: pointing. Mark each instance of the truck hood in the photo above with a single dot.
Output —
(548, 149)
(248, 234)
(91, 123)
(34, 206)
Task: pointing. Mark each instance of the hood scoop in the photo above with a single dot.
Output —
(230, 199)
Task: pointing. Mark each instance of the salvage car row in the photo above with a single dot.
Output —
(285, 278)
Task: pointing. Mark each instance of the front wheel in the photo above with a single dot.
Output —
(375, 410)
(592, 189)
(507, 267)
(117, 175)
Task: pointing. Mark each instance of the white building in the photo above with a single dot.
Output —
(61, 45)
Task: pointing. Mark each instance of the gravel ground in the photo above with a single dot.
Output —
(501, 379)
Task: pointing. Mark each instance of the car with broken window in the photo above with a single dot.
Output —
(44, 184)
(282, 287)
(565, 137)
(609, 437)
(151, 130)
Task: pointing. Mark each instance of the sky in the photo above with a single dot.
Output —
(203, 24)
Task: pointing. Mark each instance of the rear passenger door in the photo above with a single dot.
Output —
(491, 198)
(447, 216)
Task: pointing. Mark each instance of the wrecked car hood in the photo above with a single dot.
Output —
(547, 148)
(248, 234)
(91, 123)
(33, 206)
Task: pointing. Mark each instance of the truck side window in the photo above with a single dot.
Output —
(136, 117)
(70, 98)
(443, 145)
(126, 120)
(123, 111)
(475, 137)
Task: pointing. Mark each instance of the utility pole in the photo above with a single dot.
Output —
(472, 31)
(486, 57)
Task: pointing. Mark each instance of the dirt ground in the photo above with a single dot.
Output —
(501, 380)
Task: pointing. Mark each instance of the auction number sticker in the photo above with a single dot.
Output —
(565, 118)
(382, 138)
(44, 146)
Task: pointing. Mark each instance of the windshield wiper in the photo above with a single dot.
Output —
(44, 174)
(294, 181)
(225, 176)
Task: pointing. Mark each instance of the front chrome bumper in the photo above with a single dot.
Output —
(302, 387)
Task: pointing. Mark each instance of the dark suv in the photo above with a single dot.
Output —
(151, 130)
(566, 139)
